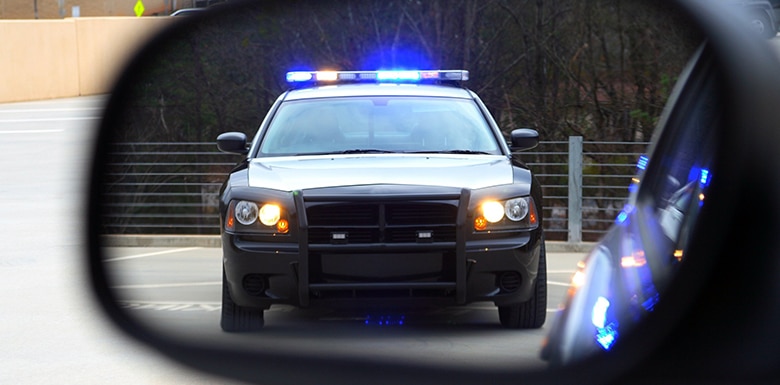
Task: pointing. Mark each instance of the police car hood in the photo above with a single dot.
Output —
(308, 172)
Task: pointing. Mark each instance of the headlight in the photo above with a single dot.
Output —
(493, 211)
(516, 209)
(520, 213)
(246, 212)
(270, 214)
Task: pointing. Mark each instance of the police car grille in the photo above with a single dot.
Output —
(381, 222)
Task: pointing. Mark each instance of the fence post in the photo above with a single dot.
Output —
(575, 189)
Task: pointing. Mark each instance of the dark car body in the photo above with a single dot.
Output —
(381, 217)
(762, 15)
(619, 283)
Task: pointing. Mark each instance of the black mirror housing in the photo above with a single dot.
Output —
(233, 143)
(524, 139)
(673, 327)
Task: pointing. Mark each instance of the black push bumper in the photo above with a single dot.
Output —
(428, 256)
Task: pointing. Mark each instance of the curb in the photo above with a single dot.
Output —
(161, 241)
(216, 241)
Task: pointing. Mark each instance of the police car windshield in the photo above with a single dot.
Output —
(378, 125)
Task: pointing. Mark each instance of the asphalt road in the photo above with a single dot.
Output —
(177, 291)
(53, 332)
(50, 329)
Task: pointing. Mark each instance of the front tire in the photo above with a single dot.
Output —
(530, 314)
(761, 24)
(237, 318)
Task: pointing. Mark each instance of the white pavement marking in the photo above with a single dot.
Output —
(181, 250)
(26, 110)
(558, 283)
(171, 306)
(165, 285)
(49, 119)
(30, 131)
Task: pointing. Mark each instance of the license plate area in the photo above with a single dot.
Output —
(382, 267)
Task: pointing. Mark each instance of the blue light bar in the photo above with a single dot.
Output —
(398, 75)
(389, 76)
(298, 76)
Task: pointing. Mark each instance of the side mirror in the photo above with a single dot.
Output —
(524, 139)
(232, 143)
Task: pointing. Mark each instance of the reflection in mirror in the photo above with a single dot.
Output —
(598, 70)
(621, 281)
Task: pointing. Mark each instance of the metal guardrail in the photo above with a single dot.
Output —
(164, 188)
(585, 185)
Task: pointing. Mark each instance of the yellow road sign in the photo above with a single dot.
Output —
(139, 8)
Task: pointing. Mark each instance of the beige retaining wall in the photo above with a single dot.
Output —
(58, 9)
(45, 59)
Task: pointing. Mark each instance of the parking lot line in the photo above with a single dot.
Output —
(172, 251)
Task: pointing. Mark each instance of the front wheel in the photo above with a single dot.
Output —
(530, 314)
(237, 318)
(761, 24)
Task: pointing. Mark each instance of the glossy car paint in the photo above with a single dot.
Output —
(305, 172)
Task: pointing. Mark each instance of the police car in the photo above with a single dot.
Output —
(380, 190)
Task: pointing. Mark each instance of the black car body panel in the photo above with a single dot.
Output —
(762, 15)
(619, 283)
(382, 222)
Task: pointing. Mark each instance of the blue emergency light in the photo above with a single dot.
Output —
(642, 163)
(391, 76)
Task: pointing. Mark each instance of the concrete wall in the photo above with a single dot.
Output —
(39, 61)
(58, 9)
(44, 59)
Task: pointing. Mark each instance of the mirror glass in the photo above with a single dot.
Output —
(601, 70)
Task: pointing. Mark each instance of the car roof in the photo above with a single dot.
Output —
(187, 11)
(384, 89)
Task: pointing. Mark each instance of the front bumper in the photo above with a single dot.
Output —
(382, 266)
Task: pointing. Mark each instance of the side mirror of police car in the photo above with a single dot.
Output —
(524, 139)
(233, 143)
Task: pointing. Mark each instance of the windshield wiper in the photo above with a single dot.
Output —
(365, 151)
(451, 152)
(353, 151)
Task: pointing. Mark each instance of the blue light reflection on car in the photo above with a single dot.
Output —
(700, 175)
(606, 332)
(705, 177)
(638, 280)
(633, 186)
(637, 277)
(623, 215)
(638, 257)
(649, 304)
(385, 320)
(642, 163)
